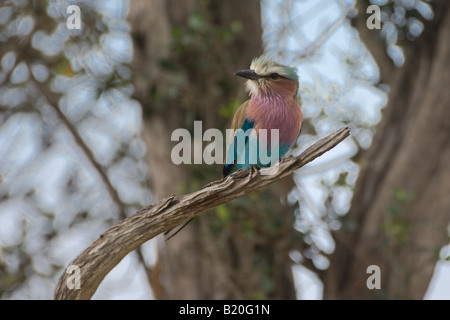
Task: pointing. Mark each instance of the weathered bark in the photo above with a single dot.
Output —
(401, 208)
(114, 244)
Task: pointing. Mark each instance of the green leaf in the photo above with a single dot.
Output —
(223, 214)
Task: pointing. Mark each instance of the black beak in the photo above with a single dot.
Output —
(248, 74)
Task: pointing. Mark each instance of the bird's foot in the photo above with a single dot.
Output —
(254, 169)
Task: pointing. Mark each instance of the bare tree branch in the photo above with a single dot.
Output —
(324, 36)
(52, 102)
(114, 244)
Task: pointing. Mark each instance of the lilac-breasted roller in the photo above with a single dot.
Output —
(273, 104)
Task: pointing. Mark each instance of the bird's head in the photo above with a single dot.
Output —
(267, 77)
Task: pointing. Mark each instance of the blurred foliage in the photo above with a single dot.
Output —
(396, 226)
(402, 21)
(61, 89)
(200, 36)
(339, 86)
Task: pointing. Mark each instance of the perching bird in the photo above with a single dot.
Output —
(273, 105)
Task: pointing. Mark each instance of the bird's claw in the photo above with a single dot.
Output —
(255, 169)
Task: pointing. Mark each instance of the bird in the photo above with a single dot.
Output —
(273, 104)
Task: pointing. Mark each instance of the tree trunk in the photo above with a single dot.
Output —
(401, 209)
(185, 55)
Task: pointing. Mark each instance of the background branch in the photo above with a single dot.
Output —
(52, 101)
(115, 243)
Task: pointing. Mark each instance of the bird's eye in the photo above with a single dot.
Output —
(274, 76)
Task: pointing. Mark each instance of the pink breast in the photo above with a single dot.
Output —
(276, 113)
